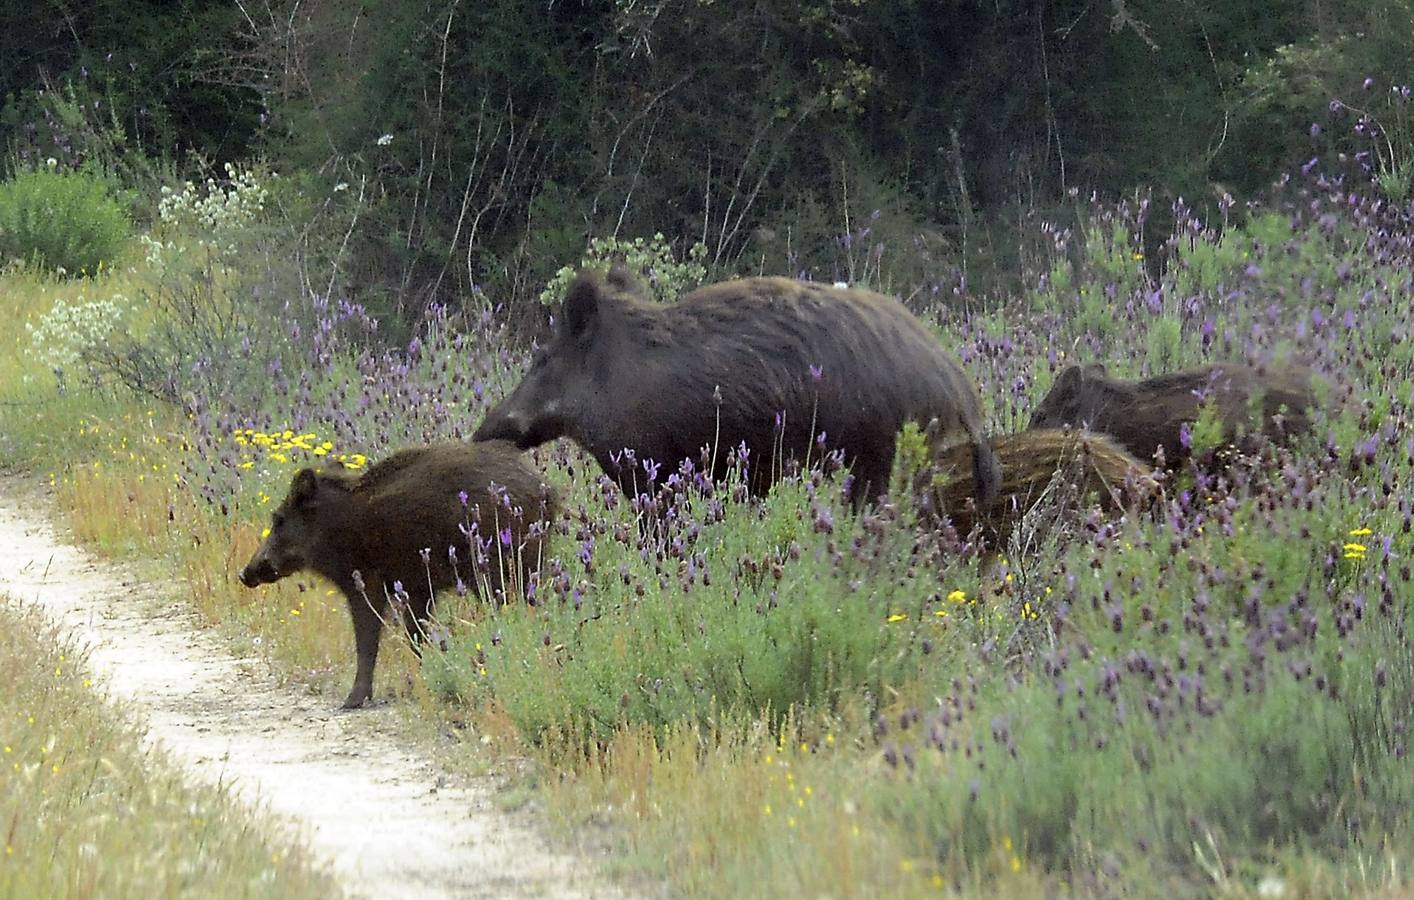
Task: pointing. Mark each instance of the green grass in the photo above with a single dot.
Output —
(86, 811)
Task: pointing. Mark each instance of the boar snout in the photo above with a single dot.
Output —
(503, 426)
(258, 572)
(521, 429)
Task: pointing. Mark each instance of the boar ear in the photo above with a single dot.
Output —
(582, 303)
(305, 486)
(1069, 379)
(620, 278)
(1096, 370)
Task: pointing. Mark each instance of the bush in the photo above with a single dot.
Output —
(231, 287)
(69, 332)
(65, 221)
(210, 225)
(736, 607)
(652, 262)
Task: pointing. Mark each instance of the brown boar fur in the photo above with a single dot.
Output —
(1031, 461)
(337, 522)
(715, 369)
(1143, 416)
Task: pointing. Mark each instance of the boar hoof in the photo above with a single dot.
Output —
(355, 700)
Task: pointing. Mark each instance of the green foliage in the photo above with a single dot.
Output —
(1112, 256)
(1390, 131)
(770, 136)
(1319, 76)
(1164, 345)
(774, 620)
(67, 222)
(1255, 771)
(651, 262)
(1206, 432)
(123, 83)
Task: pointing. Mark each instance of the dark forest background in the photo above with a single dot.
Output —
(487, 140)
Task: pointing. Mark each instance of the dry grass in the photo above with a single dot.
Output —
(88, 813)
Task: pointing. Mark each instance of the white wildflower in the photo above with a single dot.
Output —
(68, 331)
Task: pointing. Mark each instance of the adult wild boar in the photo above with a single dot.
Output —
(410, 519)
(768, 362)
(1145, 415)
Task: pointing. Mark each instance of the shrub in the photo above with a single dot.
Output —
(209, 224)
(650, 261)
(69, 222)
(734, 607)
(69, 332)
(230, 288)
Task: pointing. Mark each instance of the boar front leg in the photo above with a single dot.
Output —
(368, 628)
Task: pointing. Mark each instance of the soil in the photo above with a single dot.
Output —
(382, 817)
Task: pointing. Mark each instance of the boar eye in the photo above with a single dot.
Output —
(277, 520)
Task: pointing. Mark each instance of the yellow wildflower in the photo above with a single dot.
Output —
(898, 617)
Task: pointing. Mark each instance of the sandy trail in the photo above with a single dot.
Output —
(385, 821)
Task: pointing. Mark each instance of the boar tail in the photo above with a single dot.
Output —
(986, 471)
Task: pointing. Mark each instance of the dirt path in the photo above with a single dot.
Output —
(384, 819)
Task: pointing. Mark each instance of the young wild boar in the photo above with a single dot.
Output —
(1032, 462)
(1145, 415)
(766, 362)
(407, 520)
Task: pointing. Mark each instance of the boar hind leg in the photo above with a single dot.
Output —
(368, 627)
